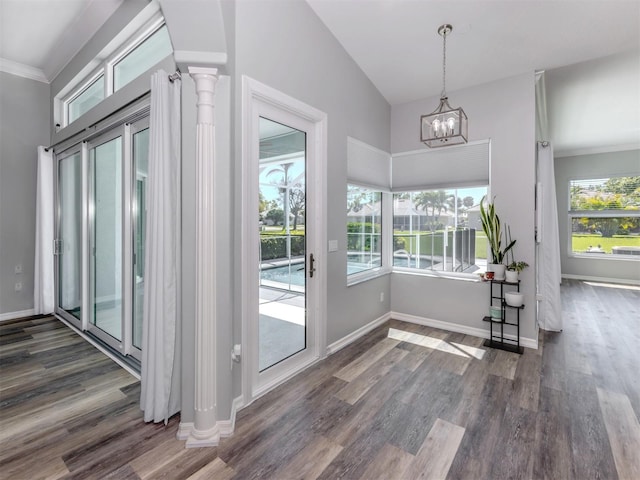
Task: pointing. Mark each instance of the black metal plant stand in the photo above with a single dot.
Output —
(497, 339)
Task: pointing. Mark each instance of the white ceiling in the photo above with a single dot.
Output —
(39, 37)
(396, 44)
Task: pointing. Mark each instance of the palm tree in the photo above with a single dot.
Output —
(437, 201)
(279, 176)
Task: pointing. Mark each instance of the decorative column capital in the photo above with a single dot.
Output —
(205, 79)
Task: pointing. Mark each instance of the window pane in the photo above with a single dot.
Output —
(70, 235)
(141, 161)
(364, 229)
(439, 230)
(143, 57)
(616, 193)
(606, 235)
(90, 97)
(107, 237)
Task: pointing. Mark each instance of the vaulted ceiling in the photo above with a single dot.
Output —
(396, 44)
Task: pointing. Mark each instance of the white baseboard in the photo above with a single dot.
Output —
(228, 426)
(458, 328)
(184, 429)
(13, 315)
(601, 279)
(224, 427)
(356, 334)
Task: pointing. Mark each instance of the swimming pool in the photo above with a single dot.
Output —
(295, 274)
(293, 277)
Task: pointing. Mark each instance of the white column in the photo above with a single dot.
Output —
(205, 430)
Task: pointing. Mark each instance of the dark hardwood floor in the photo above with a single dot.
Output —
(403, 402)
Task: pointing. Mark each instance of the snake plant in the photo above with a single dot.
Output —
(493, 230)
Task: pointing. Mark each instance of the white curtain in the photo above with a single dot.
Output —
(43, 288)
(548, 249)
(160, 397)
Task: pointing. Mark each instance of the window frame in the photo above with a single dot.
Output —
(129, 47)
(605, 213)
(428, 272)
(385, 236)
(104, 67)
(75, 94)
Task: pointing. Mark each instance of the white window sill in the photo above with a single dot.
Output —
(465, 277)
(606, 256)
(360, 277)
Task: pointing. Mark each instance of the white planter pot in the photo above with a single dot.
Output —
(514, 299)
(498, 269)
(511, 276)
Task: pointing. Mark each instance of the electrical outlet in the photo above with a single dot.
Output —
(18, 268)
(18, 286)
(382, 296)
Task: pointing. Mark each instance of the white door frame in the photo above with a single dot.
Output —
(260, 100)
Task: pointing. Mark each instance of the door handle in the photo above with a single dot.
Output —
(311, 265)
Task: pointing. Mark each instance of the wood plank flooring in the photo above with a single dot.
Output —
(403, 402)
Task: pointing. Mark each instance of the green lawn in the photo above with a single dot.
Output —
(581, 243)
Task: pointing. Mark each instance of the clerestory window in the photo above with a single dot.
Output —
(140, 52)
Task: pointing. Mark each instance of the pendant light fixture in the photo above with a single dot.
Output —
(445, 125)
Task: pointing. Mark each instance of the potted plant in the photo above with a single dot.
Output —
(513, 269)
(492, 228)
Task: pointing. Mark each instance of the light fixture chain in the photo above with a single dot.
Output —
(444, 64)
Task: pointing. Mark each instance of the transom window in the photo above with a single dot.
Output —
(141, 57)
(439, 230)
(120, 67)
(604, 217)
(87, 98)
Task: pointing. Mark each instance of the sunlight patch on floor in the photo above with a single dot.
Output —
(436, 344)
(613, 285)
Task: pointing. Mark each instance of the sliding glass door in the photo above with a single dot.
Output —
(69, 243)
(105, 162)
(101, 192)
(139, 221)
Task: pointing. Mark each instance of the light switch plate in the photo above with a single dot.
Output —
(333, 245)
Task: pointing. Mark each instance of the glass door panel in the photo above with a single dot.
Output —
(106, 275)
(282, 225)
(141, 162)
(70, 234)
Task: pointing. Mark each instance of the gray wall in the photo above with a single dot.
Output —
(24, 124)
(284, 45)
(503, 111)
(199, 44)
(600, 165)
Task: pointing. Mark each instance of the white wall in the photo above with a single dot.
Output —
(600, 165)
(284, 45)
(503, 111)
(24, 124)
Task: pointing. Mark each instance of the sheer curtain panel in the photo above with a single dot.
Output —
(43, 288)
(548, 249)
(160, 396)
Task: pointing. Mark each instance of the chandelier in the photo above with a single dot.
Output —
(445, 125)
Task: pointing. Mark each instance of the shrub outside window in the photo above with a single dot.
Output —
(364, 229)
(439, 230)
(605, 217)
